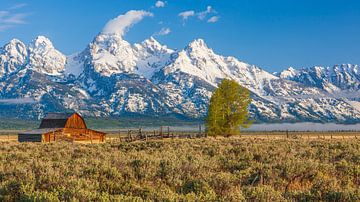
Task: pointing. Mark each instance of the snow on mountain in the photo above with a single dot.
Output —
(288, 73)
(112, 55)
(44, 58)
(13, 56)
(112, 77)
(199, 60)
(151, 57)
(74, 65)
(345, 77)
(190, 77)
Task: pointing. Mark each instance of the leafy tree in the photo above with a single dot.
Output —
(228, 110)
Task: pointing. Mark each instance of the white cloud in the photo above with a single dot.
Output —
(164, 31)
(18, 18)
(159, 4)
(121, 24)
(17, 6)
(9, 18)
(5, 27)
(186, 14)
(213, 19)
(202, 15)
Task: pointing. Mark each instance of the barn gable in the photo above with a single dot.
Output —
(75, 121)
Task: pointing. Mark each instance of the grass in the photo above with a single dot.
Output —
(183, 170)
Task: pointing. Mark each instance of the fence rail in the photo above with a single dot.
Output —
(162, 133)
(167, 133)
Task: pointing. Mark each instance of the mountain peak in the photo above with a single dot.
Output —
(13, 57)
(41, 42)
(198, 46)
(288, 73)
(153, 45)
(45, 58)
(15, 41)
(198, 43)
(15, 47)
(41, 45)
(152, 42)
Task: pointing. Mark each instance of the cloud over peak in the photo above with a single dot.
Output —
(186, 14)
(121, 24)
(203, 15)
(213, 19)
(164, 31)
(159, 4)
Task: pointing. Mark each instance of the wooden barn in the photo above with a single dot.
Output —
(62, 127)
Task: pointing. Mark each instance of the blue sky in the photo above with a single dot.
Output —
(272, 34)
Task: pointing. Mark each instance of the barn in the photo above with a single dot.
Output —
(62, 127)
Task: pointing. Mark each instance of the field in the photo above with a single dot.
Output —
(207, 169)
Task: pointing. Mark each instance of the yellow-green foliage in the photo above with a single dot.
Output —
(228, 109)
(182, 170)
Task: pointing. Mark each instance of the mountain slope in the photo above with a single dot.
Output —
(112, 77)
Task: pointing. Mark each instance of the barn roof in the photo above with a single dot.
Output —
(55, 120)
(55, 115)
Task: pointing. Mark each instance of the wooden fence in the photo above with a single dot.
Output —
(164, 132)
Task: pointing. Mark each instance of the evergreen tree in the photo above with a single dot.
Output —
(228, 110)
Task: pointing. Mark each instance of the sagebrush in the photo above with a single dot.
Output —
(182, 170)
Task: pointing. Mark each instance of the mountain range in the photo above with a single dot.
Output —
(113, 78)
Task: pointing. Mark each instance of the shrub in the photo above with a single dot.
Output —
(182, 170)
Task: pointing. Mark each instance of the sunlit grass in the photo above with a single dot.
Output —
(183, 170)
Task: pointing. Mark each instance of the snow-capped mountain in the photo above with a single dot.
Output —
(112, 77)
(13, 56)
(339, 78)
(44, 58)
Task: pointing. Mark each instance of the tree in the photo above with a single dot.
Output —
(228, 109)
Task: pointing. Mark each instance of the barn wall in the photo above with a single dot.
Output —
(84, 134)
(30, 137)
(75, 121)
(74, 135)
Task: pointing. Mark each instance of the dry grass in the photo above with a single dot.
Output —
(114, 136)
(208, 169)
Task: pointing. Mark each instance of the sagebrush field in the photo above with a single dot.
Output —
(208, 169)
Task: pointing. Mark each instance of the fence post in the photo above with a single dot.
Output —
(119, 136)
(140, 134)
(161, 132)
(199, 130)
